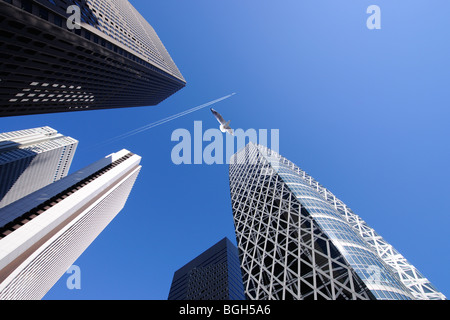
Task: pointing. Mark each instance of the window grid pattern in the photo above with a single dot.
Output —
(75, 70)
(213, 275)
(31, 159)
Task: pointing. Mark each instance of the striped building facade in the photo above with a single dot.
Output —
(31, 159)
(44, 233)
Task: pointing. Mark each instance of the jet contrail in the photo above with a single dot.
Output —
(165, 120)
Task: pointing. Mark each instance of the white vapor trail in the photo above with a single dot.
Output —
(165, 120)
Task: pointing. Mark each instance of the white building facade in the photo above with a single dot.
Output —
(43, 234)
(31, 159)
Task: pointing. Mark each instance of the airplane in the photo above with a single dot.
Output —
(224, 126)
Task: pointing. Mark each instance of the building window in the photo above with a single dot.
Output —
(57, 20)
(26, 5)
(43, 13)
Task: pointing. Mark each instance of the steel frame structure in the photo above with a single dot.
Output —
(296, 240)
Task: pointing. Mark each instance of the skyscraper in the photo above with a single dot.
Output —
(298, 241)
(49, 63)
(213, 275)
(31, 159)
(42, 234)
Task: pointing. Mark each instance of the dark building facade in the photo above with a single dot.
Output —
(213, 275)
(112, 59)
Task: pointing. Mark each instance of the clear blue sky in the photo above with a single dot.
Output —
(365, 112)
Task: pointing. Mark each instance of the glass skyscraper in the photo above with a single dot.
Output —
(112, 59)
(213, 275)
(296, 240)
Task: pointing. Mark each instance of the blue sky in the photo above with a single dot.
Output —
(365, 112)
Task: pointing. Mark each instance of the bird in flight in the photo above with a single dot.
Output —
(224, 126)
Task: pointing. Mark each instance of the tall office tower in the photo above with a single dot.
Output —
(298, 241)
(31, 159)
(213, 275)
(49, 63)
(42, 234)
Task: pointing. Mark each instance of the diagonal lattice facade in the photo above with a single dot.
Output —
(419, 286)
(295, 243)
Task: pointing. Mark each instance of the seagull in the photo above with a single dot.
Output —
(224, 126)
